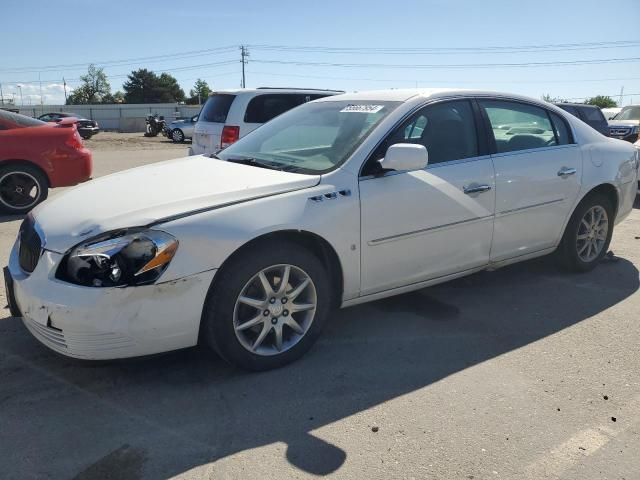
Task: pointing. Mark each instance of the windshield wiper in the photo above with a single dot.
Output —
(254, 163)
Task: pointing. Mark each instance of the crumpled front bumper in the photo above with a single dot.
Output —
(107, 323)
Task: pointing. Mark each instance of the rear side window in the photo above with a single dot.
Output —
(563, 134)
(217, 108)
(592, 114)
(263, 108)
(518, 126)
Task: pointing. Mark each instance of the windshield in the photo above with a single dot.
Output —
(629, 113)
(312, 138)
(20, 120)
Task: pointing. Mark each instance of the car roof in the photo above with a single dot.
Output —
(311, 91)
(405, 94)
(578, 105)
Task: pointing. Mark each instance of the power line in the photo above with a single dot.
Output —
(452, 66)
(451, 50)
(121, 62)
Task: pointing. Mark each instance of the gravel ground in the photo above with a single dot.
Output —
(521, 373)
(109, 141)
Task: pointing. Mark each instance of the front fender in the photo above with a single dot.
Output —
(209, 238)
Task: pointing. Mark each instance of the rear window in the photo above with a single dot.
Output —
(19, 120)
(217, 108)
(570, 109)
(263, 108)
(593, 114)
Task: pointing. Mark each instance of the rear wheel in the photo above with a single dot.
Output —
(177, 135)
(22, 187)
(588, 234)
(267, 307)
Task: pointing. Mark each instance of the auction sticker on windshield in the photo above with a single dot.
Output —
(362, 108)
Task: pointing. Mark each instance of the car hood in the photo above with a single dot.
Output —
(148, 194)
(624, 123)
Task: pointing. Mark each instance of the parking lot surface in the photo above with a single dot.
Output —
(525, 372)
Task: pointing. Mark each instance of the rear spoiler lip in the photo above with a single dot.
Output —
(67, 122)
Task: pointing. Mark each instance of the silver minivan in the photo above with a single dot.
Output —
(230, 114)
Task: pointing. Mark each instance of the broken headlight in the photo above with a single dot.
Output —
(124, 257)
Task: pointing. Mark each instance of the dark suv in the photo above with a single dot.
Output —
(589, 114)
(86, 128)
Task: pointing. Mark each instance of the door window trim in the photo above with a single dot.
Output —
(489, 130)
(483, 147)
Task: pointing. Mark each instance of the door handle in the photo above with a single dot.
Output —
(564, 172)
(469, 189)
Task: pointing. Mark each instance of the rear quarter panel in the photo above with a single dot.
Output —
(45, 147)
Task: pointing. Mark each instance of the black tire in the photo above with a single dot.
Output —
(217, 328)
(567, 253)
(177, 136)
(85, 137)
(30, 180)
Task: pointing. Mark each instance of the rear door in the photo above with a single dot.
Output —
(538, 170)
(208, 130)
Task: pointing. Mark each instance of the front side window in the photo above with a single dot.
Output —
(518, 126)
(313, 138)
(217, 108)
(628, 113)
(447, 130)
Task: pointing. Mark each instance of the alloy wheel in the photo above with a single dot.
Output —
(275, 310)
(592, 233)
(19, 190)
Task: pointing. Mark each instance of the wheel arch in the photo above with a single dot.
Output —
(607, 189)
(19, 162)
(313, 242)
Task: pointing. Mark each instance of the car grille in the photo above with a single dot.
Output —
(30, 246)
(619, 131)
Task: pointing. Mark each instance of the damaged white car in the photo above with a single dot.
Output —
(342, 200)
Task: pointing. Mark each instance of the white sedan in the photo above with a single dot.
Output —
(340, 201)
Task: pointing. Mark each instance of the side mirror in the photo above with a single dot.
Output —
(405, 156)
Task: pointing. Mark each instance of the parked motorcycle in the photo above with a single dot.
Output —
(155, 125)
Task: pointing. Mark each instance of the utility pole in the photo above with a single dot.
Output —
(21, 98)
(64, 82)
(621, 95)
(1, 95)
(244, 54)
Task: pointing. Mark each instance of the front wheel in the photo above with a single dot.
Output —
(588, 234)
(267, 307)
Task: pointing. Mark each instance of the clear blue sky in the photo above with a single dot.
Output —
(67, 32)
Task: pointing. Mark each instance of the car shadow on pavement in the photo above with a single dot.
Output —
(162, 416)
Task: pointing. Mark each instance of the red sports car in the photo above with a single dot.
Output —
(36, 156)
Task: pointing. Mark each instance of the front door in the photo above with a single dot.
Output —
(538, 170)
(433, 222)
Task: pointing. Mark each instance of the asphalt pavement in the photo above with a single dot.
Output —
(525, 372)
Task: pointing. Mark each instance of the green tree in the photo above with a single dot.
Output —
(168, 89)
(94, 88)
(602, 101)
(139, 86)
(199, 93)
(144, 86)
